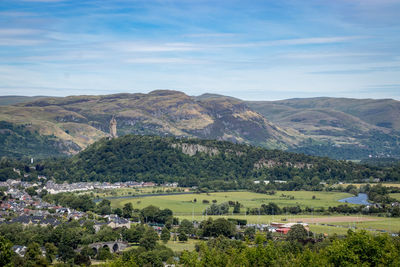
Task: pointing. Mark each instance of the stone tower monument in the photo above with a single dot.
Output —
(113, 127)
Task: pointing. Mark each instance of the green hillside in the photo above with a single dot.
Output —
(82, 120)
(15, 99)
(340, 128)
(20, 141)
(204, 163)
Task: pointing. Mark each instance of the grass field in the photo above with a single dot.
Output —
(396, 196)
(329, 230)
(133, 191)
(319, 224)
(184, 204)
(184, 207)
(178, 246)
(388, 224)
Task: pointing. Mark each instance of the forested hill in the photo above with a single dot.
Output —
(204, 163)
(340, 128)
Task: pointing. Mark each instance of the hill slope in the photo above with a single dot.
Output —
(339, 127)
(334, 127)
(82, 120)
(15, 99)
(205, 163)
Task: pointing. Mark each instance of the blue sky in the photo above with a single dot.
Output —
(256, 50)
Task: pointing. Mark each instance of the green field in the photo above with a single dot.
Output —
(133, 191)
(382, 223)
(391, 225)
(178, 246)
(329, 230)
(184, 207)
(396, 196)
(185, 204)
(262, 219)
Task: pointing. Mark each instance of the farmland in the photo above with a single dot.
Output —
(133, 191)
(396, 196)
(338, 224)
(193, 203)
(191, 207)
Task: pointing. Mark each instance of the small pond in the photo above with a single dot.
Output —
(361, 199)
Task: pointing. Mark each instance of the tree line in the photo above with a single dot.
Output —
(156, 159)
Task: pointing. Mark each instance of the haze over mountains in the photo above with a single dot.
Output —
(336, 127)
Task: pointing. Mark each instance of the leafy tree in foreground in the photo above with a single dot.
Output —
(5, 252)
(165, 235)
(186, 226)
(33, 256)
(217, 227)
(149, 239)
(127, 210)
(104, 254)
(51, 251)
(297, 233)
(182, 235)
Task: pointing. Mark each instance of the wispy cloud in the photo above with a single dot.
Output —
(149, 47)
(16, 14)
(297, 41)
(328, 55)
(43, 1)
(172, 47)
(213, 35)
(19, 42)
(16, 31)
(163, 60)
(253, 45)
(359, 70)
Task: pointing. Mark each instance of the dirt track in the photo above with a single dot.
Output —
(333, 219)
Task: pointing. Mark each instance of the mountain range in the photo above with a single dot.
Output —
(340, 128)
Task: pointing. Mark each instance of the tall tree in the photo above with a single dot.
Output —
(5, 252)
(127, 210)
(165, 235)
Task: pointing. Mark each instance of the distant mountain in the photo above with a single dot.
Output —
(378, 112)
(81, 120)
(339, 127)
(335, 127)
(14, 99)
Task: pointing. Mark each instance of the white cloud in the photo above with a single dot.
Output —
(19, 42)
(164, 60)
(143, 47)
(16, 14)
(182, 47)
(297, 41)
(16, 31)
(328, 55)
(43, 1)
(201, 35)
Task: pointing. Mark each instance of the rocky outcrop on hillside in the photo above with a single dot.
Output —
(85, 119)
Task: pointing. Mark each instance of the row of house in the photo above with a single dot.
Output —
(54, 188)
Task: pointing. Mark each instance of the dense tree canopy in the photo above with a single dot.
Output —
(211, 164)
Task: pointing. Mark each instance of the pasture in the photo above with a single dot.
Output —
(178, 246)
(186, 207)
(134, 191)
(323, 224)
(395, 195)
(193, 203)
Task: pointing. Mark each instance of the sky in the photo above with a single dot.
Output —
(253, 50)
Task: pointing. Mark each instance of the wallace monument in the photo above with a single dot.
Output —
(113, 127)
